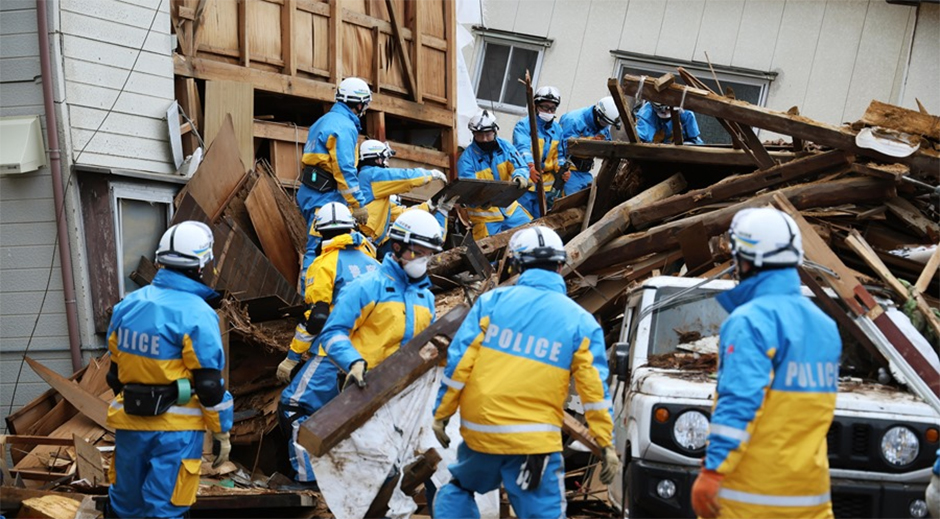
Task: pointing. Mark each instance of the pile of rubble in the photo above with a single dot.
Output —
(865, 196)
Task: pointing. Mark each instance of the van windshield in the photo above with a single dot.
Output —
(694, 316)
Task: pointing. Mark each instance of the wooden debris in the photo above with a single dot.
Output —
(51, 506)
(901, 119)
(219, 175)
(87, 403)
(88, 459)
(272, 230)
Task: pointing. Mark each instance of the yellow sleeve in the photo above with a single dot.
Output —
(321, 277)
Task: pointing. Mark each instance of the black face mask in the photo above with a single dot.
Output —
(488, 146)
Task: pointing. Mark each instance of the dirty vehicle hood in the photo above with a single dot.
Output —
(673, 383)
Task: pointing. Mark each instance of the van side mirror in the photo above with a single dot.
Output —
(622, 360)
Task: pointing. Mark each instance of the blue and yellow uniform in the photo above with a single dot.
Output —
(652, 128)
(553, 149)
(332, 146)
(575, 124)
(343, 259)
(503, 163)
(379, 312)
(159, 334)
(778, 376)
(378, 184)
(509, 372)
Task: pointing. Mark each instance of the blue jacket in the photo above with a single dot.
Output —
(778, 376)
(378, 184)
(503, 163)
(510, 365)
(651, 128)
(580, 123)
(162, 333)
(332, 144)
(553, 147)
(377, 313)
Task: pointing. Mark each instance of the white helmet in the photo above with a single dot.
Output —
(766, 237)
(483, 121)
(353, 90)
(537, 244)
(419, 227)
(186, 245)
(547, 93)
(373, 149)
(606, 111)
(334, 216)
(662, 111)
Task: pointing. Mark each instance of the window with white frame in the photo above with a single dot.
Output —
(748, 85)
(141, 214)
(502, 59)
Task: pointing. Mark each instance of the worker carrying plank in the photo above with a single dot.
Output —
(491, 158)
(552, 148)
(380, 183)
(591, 122)
(329, 161)
(509, 368)
(778, 376)
(166, 373)
(345, 255)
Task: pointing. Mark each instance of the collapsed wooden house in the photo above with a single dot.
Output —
(653, 209)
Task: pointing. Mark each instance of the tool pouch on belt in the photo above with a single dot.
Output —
(146, 400)
(531, 471)
(318, 179)
(580, 164)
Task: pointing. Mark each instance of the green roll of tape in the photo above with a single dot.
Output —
(185, 391)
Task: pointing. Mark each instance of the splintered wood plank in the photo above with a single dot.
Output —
(671, 154)
(272, 231)
(86, 402)
(929, 271)
(580, 432)
(626, 115)
(49, 507)
(88, 459)
(236, 100)
(220, 173)
(901, 119)
(912, 217)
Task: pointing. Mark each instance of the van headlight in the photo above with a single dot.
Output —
(691, 430)
(899, 446)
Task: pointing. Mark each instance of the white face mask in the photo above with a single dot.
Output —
(417, 268)
(547, 117)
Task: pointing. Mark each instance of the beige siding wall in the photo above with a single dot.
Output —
(832, 57)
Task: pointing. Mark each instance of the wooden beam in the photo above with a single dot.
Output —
(197, 26)
(615, 222)
(912, 217)
(287, 37)
(202, 68)
(901, 119)
(87, 403)
(335, 58)
(417, 43)
(244, 39)
(894, 172)
(13, 439)
(737, 186)
(930, 269)
(604, 181)
(350, 409)
(408, 70)
(626, 116)
(710, 104)
(663, 153)
(804, 196)
(663, 81)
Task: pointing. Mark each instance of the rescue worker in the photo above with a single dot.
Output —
(654, 124)
(778, 375)
(491, 158)
(166, 373)
(384, 309)
(551, 145)
(346, 254)
(329, 159)
(588, 122)
(379, 183)
(509, 372)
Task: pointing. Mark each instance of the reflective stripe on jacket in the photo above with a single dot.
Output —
(504, 163)
(778, 377)
(510, 365)
(378, 312)
(160, 334)
(553, 147)
(332, 144)
(378, 184)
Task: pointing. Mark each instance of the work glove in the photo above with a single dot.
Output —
(221, 447)
(534, 174)
(445, 206)
(284, 370)
(357, 372)
(521, 182)
(565, 174)
(361, 214)
(705, 494)
(440, 432)
(438, 175)
(610, 465)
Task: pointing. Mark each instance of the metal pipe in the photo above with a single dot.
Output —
(58, 193)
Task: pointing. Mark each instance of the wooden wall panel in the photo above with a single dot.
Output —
(220, 26)
(264, 31)
(432, 18)
(431, 79)
(303, 39)
(358, 53)
(321, 42)
(392, 76)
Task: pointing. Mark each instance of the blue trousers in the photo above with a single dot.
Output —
(154, 473)
(530, 202)
(579, 180)
(477, 472)
(314, 386)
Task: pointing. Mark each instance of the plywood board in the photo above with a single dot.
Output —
(220, 172)
(272, 231)
(285, 159)
(88, 459)
(237, 100)
(492, 193)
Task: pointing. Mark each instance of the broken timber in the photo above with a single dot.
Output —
(672, 154)
(87, 403)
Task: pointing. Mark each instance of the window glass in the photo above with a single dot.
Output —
(495, 58)
(691, 317)
(142, 225)
(522, 60)
(500, 66)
